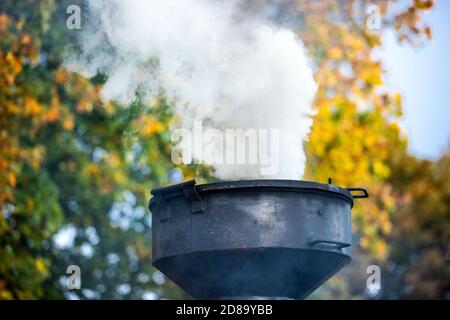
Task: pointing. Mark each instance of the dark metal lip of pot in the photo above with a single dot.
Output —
(278, 185)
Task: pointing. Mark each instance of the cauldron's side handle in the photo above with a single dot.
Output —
(333, 243)
(158, 201)
(364, 194)
(196, 203)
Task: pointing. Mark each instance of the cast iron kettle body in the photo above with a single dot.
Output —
(252, 238)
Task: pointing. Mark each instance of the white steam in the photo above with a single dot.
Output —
(213, 62)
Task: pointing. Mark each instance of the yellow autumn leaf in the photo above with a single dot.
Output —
(32, 107)
(335, 53)
(4, 22)
(12, 179)
(14, 63)
(40, 265)
(151, 127)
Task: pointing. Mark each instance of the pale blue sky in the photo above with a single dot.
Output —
(422, 75)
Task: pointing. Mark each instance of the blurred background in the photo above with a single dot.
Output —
(76, 173)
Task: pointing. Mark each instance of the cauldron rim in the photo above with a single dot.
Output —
(302, 186)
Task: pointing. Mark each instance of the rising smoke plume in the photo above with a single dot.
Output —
(213, 62)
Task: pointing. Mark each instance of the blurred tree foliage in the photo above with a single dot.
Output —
(72, 165)
(418, 265)
(68, 160)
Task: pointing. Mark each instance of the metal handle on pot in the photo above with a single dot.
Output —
(336, 244)
(189, 191)
(364, 194)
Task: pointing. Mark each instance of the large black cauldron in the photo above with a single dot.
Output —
(252, 238)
